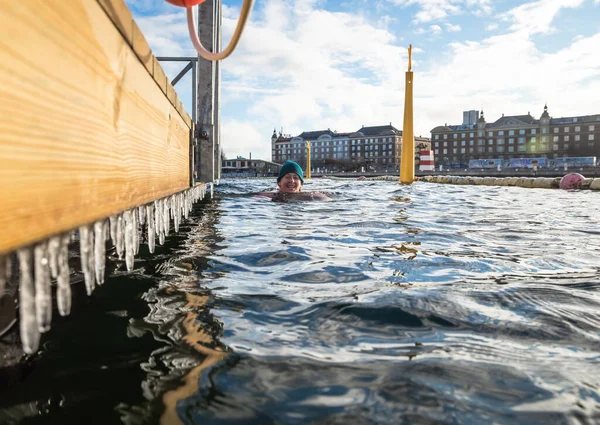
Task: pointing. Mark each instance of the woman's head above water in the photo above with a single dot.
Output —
(290, 178)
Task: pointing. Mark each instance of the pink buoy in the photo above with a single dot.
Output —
(571, 181)
(361, 178)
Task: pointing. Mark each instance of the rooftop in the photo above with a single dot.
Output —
(513, 120)
(316, 134)
(379, 130)
(580, 119)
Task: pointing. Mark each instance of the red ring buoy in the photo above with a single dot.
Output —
(235, 38)
(185, 3)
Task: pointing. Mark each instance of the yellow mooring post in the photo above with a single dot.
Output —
(307, 160)
(407, 159)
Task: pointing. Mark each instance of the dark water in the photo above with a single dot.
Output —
(428, 304)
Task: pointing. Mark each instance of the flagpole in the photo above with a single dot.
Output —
(407, 159)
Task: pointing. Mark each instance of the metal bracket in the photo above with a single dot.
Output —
(192, 64)
(202, 133)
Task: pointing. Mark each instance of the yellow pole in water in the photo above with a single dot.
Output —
(307, 160)
(407, 159)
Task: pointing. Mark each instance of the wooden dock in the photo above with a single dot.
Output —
(91, 126)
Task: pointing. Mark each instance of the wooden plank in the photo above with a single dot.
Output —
(178, 105)
(159, 75)
(120, 15)
(172, 95)
(142, 49)
(85, 132)
(183, 113)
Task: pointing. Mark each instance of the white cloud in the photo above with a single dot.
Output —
(537, 17)
(504, 73)
(248, 140)
(491, 27)
(431, 29)
(511, 76)
(167, 33)
(339, 78)
(434, 10)
(304, 68)
(435, 29)
(452, 28)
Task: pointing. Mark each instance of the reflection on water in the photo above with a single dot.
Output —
(390, 304)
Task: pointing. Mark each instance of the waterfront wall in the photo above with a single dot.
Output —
(528, 182)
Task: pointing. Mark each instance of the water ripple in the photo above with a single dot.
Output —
(420, 304)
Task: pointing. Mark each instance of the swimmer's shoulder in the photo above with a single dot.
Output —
(320, 196)
(270, 195)
(301, 196)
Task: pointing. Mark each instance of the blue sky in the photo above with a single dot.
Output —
(318, 64)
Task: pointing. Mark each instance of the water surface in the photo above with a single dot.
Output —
(421, 304)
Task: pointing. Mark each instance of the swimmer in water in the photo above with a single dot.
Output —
(290, 181)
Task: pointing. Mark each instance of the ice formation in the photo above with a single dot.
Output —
(47, 262)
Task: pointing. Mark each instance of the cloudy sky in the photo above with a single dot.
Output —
(318, 64)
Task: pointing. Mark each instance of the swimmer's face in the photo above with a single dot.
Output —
(290, 183)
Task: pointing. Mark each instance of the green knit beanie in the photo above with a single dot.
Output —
(290, 167)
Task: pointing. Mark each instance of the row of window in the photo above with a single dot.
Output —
(319, 155)
(235, 164)
(301, 144)
(338, 149)
(498, 149)
(334, 156)
(512, 132)
(500, 141)
(576, 137)
(501, 149)
(481, 133)
(370, 148)
(374, 158)
(383, 140)
(322, 150)
(577, 128)
(370, 154)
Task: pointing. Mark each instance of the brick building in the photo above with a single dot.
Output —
(516, 136)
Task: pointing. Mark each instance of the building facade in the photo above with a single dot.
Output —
(517, 136)
(377, 147)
